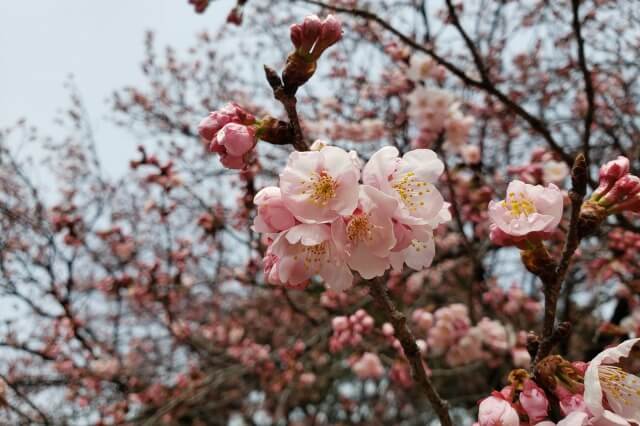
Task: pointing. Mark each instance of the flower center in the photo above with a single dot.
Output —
(519, 204)
(619, 384)
(321, 188)
(315, 255)
(411, 190)
(359, 228)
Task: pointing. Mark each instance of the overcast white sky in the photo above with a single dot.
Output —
(100, 42)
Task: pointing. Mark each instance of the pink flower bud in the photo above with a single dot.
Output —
(368, 366)
(609, 174)
(521, 357)
(272, 215)
(631, 205)
(330, 34)
(387, 329)
(304, 36)
(233, 142)
(534, 401)
(216, 120)
(496, 411)
(340, 323)
(624, 187)
(295, 32)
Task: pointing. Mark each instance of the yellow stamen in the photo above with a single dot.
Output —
(411, 191)
(619, 384)
(519, 204)
(359, 228)
(321, 188)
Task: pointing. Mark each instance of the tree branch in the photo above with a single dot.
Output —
(411, 351)
(588, 83)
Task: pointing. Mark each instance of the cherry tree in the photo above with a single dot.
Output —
(341, 212)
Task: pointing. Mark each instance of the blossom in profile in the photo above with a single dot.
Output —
(272, 215)
(529, 212)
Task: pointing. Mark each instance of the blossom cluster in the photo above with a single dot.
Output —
(435, 110)
(450, 334)
(322, 221)
(601, 393)
(348, 331)
(618, 189)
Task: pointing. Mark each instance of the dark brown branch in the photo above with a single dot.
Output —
(288, 101)
(588, 83)
(411, 351)
(553, 284)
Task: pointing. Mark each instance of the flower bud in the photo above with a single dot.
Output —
(233, 142)
(625, 187)
(609, 174)
(330, 34)
(534, 401)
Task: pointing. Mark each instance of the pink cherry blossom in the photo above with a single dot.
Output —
(368, 366)
(306, 250)
(320, 186)
(495, 411)
(521, 357)
(529, 211)
(554, 171)
(534, 401)
(621, 389)
(422, 67)
(419, 251)
(367, 235)
(410, 180)
(272, 215)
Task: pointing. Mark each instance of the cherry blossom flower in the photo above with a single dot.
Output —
(418, 249)
(368, 366)
(528, 212)
(422, 67)
(367, 235)
(410, 180)
(319, 186)
(303, 251)
(554, 171)
(272, 215)
(621, 389)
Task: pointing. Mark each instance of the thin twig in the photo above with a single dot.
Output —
(588, 83)
(379, 294)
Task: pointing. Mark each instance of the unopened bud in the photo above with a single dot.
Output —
(609, 174)
(624, 188)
